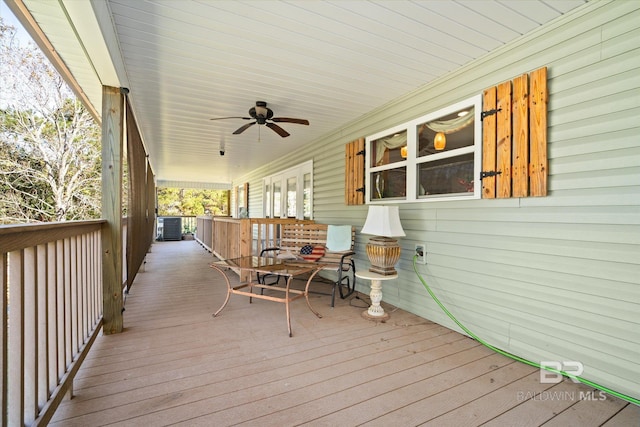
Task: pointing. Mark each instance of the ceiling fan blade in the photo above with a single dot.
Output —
(243, 128)
(290, 120)
(223, 118)
(277, 129)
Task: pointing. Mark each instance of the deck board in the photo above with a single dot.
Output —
(175, 364)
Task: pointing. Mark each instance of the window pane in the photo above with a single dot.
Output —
(390, 183)
(267, 201)
(241, 202)
(453, 175)
(456, 129)
(388, 149)
(291, 197)
(276, 199)
(307, 196)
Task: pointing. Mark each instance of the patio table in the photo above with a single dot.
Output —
(268, 265)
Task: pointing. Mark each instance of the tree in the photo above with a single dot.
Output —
(49, 143)
(178, 201)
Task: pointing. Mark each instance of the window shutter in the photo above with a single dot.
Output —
(503, 147)
(514, 156)
(538, 99)
(489, 143)
(354, 173)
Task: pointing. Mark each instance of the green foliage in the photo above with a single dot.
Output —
(180, 201)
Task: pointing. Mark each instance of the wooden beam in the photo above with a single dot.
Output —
(4, 341)
(112, 136)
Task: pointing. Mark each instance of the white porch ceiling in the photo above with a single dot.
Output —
(330, 62)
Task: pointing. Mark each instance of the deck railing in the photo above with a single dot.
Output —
(229, 237)
(51, 313)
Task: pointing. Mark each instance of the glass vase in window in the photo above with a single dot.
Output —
(389, 184)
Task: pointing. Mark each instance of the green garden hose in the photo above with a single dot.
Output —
(513, 356)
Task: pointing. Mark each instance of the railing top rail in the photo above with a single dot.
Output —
(264, 220)
(19, 236)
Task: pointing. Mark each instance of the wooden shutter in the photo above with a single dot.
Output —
(354, 173)
(538, 99)
(515, 137)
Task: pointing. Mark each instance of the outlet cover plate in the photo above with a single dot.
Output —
(422, 247)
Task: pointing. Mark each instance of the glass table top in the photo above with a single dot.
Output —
(270, 265)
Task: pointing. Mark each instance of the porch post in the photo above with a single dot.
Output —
(112, 136)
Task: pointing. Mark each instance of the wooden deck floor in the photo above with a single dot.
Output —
(177, 365)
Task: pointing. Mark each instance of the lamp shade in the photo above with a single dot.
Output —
(383, 221)
(440, 141)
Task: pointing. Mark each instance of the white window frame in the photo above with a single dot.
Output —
(298, 172)
(412, 162)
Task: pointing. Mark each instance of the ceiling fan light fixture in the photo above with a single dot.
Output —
(262, 111)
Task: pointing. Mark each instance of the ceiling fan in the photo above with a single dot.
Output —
(264, 116)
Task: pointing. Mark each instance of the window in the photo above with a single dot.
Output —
(434, 157)
(277, 200)
(289, 194)
(242, 200)
(307, 196)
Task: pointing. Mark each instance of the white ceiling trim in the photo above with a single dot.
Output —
(85, 25)
(161, 183)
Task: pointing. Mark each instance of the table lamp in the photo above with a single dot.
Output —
(383, 250)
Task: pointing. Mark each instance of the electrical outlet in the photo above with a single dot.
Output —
(421, 252)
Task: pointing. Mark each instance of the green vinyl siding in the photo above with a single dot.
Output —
(546, 278)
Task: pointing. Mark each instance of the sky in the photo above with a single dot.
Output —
(9, 18)
(22, 37)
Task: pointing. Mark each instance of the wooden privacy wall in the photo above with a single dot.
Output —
(354, 173)
(141, 207)
(514, 137)
(151, 205)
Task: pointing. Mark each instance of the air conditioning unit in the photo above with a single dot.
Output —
(169, 228)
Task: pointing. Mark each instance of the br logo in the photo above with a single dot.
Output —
(553, 374)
